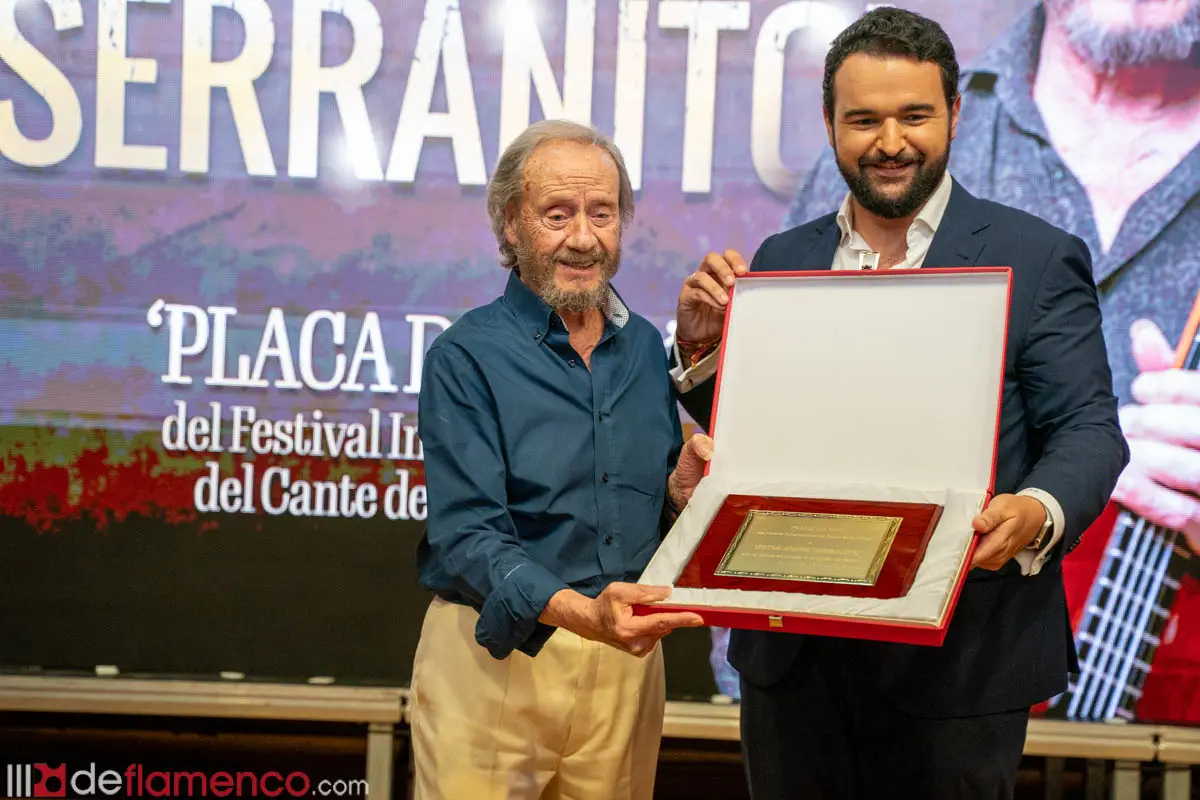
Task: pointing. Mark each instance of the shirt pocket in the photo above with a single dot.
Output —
(642, 456)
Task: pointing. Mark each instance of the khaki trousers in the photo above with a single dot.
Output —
(580, 721)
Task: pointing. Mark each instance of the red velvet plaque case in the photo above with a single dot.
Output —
(883, 567)
(881, 388)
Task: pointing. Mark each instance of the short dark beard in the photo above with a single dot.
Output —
(538, 272)
(1105, 49)
(924, 184)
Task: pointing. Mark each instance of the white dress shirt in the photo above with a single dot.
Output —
(847, 256)
(919, 237)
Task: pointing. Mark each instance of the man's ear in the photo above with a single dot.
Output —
(954, 109)
(510, 227)
(829, 129)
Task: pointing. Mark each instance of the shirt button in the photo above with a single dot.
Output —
(571, 363)
(604, 477)
(608, 539)
(537, 335)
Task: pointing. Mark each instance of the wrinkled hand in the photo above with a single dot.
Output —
(697, 451)
(1162, 480)
(609, 618)
(1006, 527)
(700, 315)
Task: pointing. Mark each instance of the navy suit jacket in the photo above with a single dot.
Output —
(1009, 644)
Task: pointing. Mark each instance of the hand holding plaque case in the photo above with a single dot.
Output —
(872, 400)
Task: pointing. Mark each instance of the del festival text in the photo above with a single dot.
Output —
(276, 492)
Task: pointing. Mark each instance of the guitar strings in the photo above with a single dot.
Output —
(1132, 551)
(1148, 593)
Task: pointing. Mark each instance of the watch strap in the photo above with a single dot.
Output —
(1043, 534)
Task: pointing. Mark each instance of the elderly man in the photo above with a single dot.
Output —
(553, 463)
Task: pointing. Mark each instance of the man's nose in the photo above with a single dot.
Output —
(581, 234)
(891, 138)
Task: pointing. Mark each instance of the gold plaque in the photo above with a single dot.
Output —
(803, 546)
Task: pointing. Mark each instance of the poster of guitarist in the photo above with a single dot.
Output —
(1087, 113)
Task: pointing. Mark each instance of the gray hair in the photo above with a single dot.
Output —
(508, 182)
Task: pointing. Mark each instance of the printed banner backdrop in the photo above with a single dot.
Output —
(230, 229)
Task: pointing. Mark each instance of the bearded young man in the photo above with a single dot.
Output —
(835, 718)
(552, 463)
(1086, 113)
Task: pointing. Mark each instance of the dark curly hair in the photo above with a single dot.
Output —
(891, 31)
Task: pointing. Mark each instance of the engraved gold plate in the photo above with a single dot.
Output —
(804, 546)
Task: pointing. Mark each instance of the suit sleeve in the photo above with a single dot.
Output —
(1067, 387)
(469, 530)
(698, 401)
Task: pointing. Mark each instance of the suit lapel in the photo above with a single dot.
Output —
(819, 247)
(960, 238)
(814, 251)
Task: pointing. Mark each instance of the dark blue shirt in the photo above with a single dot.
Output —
(542, 474)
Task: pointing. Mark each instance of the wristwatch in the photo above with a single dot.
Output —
(1043, 535)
